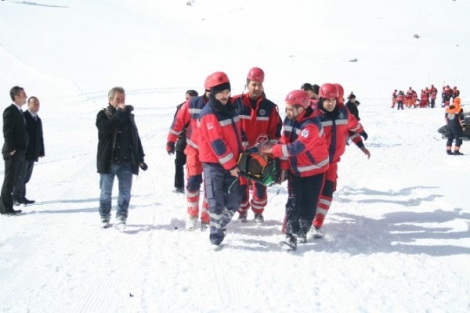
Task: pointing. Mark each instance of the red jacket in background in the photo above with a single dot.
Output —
(263, 119)
(337, 125)
(187, 115)
(313, 104)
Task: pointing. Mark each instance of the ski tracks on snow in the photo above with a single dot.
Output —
(16, 274)
(234, 290)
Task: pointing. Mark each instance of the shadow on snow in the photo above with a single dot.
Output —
(404, 232)
(42, 5)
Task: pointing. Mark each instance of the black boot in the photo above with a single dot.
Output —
(26, 201)
(289, 244)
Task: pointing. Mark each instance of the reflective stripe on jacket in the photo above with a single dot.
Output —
(220, 138)
(304, 146)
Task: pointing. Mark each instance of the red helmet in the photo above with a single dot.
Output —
(330, 91)
(256, 74)
(206, 84)
(215, 79)
(340, 91)
(298, 97)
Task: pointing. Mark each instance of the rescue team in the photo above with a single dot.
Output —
(308, 144)
(232, 146)
(427, 98)
(215, 130)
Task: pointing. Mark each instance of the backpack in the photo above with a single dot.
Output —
(262, 169)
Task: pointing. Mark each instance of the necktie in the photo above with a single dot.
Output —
(22, 115)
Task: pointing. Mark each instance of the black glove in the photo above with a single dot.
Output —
(170, 147)
(364, 135)
(144, 166)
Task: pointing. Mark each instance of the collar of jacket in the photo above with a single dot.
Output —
(247, 100)
(227, 109)
(111, 108)
(333, 113)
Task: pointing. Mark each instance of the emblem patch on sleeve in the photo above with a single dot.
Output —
(210, 126)
(304, 133)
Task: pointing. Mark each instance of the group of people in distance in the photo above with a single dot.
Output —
(427, 98)
(308, 143)
(454, 115)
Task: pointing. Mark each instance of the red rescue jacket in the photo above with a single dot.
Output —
(263, 119)
(220, 134)
(187, 115)
(303, 148)
(337, 125)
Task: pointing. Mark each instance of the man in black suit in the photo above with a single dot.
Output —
(35, 150)
(352, 106)
(16, 138)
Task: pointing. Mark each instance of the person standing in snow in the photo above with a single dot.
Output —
(180, 146)
(352, 106)
(337, 122)
(409, 101)
(455, 92)
(446, 95)
(259, 117)
(186, 118)
(455, 121)
(312, 90)
(303, 152)
(120, 154)
(307, 87)
(400, 100)
(433, 96)
(16, 137)
(316, 92)
(220, 144)
(33, 153)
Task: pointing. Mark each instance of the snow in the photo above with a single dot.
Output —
(397, 238)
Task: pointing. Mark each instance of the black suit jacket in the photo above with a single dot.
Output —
(353, 109)
(36, 140)
(15, 132)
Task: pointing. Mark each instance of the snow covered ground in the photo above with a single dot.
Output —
(398, 233)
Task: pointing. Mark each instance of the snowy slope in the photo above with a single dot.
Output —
(397, 236)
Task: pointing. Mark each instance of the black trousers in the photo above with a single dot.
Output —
(12, 168)
(455, 132)
(180, 161)
(301, 206)
(24, 175)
